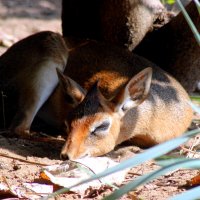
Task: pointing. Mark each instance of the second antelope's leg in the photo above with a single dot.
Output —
(35, 90)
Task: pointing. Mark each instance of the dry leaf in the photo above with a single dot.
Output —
(194, 181)
(71, 172)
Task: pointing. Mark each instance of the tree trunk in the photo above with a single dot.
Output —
(120, 22)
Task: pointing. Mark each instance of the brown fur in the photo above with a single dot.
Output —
(101, 73)
(164, 115)
(28, 77)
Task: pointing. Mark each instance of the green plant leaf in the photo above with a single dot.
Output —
(168, 2)
(191, 163)
(170, 160)
(195, 98)
(192, 194)
(194, 107)
(149, 154)
(189, 21)
(198, 5)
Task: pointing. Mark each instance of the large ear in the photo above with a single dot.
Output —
(73, 92)
(134, 93)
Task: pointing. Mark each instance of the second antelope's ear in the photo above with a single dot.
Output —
(73, 92)
(134, 93)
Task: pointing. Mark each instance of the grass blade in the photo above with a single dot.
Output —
(189, 195)
(195, 98)
(195, 107)
(198, 5)
(149, 154)
(192, 163)
(169, 161)
(189, 21)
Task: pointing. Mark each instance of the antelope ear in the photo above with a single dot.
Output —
(73, 92)
(134, 93)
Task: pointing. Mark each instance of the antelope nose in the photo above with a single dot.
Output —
(64, 156)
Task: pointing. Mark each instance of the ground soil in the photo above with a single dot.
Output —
(18, 19)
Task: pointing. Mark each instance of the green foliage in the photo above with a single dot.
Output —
(189, 21)
(198, 5)
(168, 1)
(187, 163)
(187, 17)
(195, 98)
(189, 195)
(168, 160)
(141, 158)
(195, 108)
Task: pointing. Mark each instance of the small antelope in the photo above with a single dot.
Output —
(119, 96)
(105, 95)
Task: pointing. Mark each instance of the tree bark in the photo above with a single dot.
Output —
(119, 22)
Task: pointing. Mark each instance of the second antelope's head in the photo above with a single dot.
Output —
(93, 125)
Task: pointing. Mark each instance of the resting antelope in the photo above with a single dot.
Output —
(106, 94)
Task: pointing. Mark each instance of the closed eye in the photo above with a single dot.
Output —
(101, 128)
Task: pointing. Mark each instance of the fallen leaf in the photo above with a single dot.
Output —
(194, 181)
(70, 173)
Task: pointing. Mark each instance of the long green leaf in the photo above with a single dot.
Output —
(190, 23)
(170, 161)
(198, 5)
(194, 107)
(192, 194)
(192, 163)
(195, 98)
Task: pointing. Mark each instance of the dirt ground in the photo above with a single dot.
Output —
(20, 18)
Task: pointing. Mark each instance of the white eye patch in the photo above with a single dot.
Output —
(127, 104)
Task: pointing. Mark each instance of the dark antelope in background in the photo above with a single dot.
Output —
(126, 22)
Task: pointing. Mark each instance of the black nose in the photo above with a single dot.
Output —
(64, 156)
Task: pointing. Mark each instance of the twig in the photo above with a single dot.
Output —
(23, 160)
(35, 137)
(87, 167)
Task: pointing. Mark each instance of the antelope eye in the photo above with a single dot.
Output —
(102, 128)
